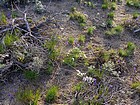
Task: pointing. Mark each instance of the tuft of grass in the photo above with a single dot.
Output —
(104, 6)
(9, 39)
(3, 19)
(133, 3)
(135, 85)
(114, 31)
(136, 15)
(52, 94)
(128, 51)
(71, 40)
(90, 30)
(109, 23)
(2, 48)
(111, 15)
(29, 97)
(79, 17)
(30, 75)
(81, 39)
(113, 6)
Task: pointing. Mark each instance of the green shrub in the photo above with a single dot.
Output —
(93, 72)
(113, 6)
(2, 48)
(135, 85)
(9, 39)
(71, 40)
(128, 51)
(81, 38)
(52, 94)
(90, 30)
(72, 57)
(29, 97)
(30, 75)
(133, 3)
(81, 18)
(111, 15)
(109, 23)
(135, 15)
(3, 19)
(114, 31)
(104, 6)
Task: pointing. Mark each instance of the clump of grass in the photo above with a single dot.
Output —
(114, 31)
(109, 23)
(111, 15)
(133, 3)
(51, 46)
(30, 75)
(50, 68)
(128, 51)
(136, 15)
(72, 57)
(78, 16)
(90, 30)
(113, 6)
(2, 48)
(105, 6)
(135, 85)
(81, 39)
(71, 40)
(3, 19)
(52, 94)
(9, 39)
(73, 9)
(28, 97)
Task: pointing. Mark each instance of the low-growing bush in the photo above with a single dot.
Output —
(52, 94)
(90, 30)
(79, 17)
(28, 96)
(30, 75)
(114, 31)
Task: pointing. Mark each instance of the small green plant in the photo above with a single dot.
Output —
(104, 6)
(2, 48)
(79, 17)
(72, 57)
(52, 94)
(78, 87)
(111, 15)
(135, 85)
(73, 9)
(136, 15)
(109, 23)
(113, 6)
(3, 19)
(93, 72)
(50, 45)
(71, 40)
(9, 39)
(50, 68)
(128, 51)
(28, 96)
(114, 31)
(90, 30)
(30, 75)
(133, 3)
(81, 39)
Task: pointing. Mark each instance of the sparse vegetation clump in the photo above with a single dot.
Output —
(52, 94)
(133, 3)
(78, 16)
(114, 31)
(28, 96)
(128, 51)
